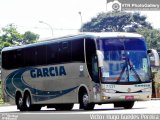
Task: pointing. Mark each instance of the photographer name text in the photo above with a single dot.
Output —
(124, 116)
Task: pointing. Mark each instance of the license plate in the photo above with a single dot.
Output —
(129, 97)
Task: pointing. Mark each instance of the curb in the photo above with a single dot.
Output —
(155, 98)
(4, 104)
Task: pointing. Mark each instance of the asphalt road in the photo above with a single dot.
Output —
(139, 109)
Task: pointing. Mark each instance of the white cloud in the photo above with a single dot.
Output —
(153, 17)
(58, 13)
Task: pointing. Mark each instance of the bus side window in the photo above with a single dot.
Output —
(12, 59)
(52, 53)
(19, 58)
(65, 51)
(5, 60)
(77, 50)
(64, 45)
(41, 55)
(30, 56)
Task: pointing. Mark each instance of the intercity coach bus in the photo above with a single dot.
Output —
(88, 69)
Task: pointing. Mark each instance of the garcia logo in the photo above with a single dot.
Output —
(48, 72)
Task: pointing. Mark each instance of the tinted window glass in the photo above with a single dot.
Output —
(19, 58)
(65, 51)
(78, 50)
(52, 53)
(30, 56)
(9, 59)
(41, 55)
(5, 62)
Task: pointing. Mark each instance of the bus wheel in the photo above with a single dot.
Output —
(84, 102)
(19, 102)
(128, 105)
(27, 102)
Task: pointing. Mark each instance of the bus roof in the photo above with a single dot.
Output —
(80, 35)
(114, 34)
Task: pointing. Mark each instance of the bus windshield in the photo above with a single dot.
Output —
(125, 60)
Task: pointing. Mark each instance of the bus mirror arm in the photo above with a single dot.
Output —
(100, 58)
(149, 51)
(155, 56)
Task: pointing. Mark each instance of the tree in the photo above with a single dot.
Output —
(116, 21)
(30, 37)
(10, 37)
(152, 37)
(124, 21)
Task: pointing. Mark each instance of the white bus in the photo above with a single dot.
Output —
(88, 69)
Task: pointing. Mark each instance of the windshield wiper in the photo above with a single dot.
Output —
(131, 68)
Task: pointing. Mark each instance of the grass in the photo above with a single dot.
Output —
(1, 101)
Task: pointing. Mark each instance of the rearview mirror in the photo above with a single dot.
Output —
(154, 57)
(100, 58)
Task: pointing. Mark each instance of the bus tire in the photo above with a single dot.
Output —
(19, 102)
(27, 101)
(28, 104)
(84, 102)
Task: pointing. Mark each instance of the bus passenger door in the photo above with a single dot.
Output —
(95, 78)
(93, 69)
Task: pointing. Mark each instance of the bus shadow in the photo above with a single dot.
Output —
(75, 110)
(116, 109)
(85, 111)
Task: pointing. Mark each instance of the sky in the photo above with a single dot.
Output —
(60, 15)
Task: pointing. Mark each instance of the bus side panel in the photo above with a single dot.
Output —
(8, 96)
(68, 84)
(47, 84)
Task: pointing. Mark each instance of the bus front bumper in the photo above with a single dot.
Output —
(110, 97)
